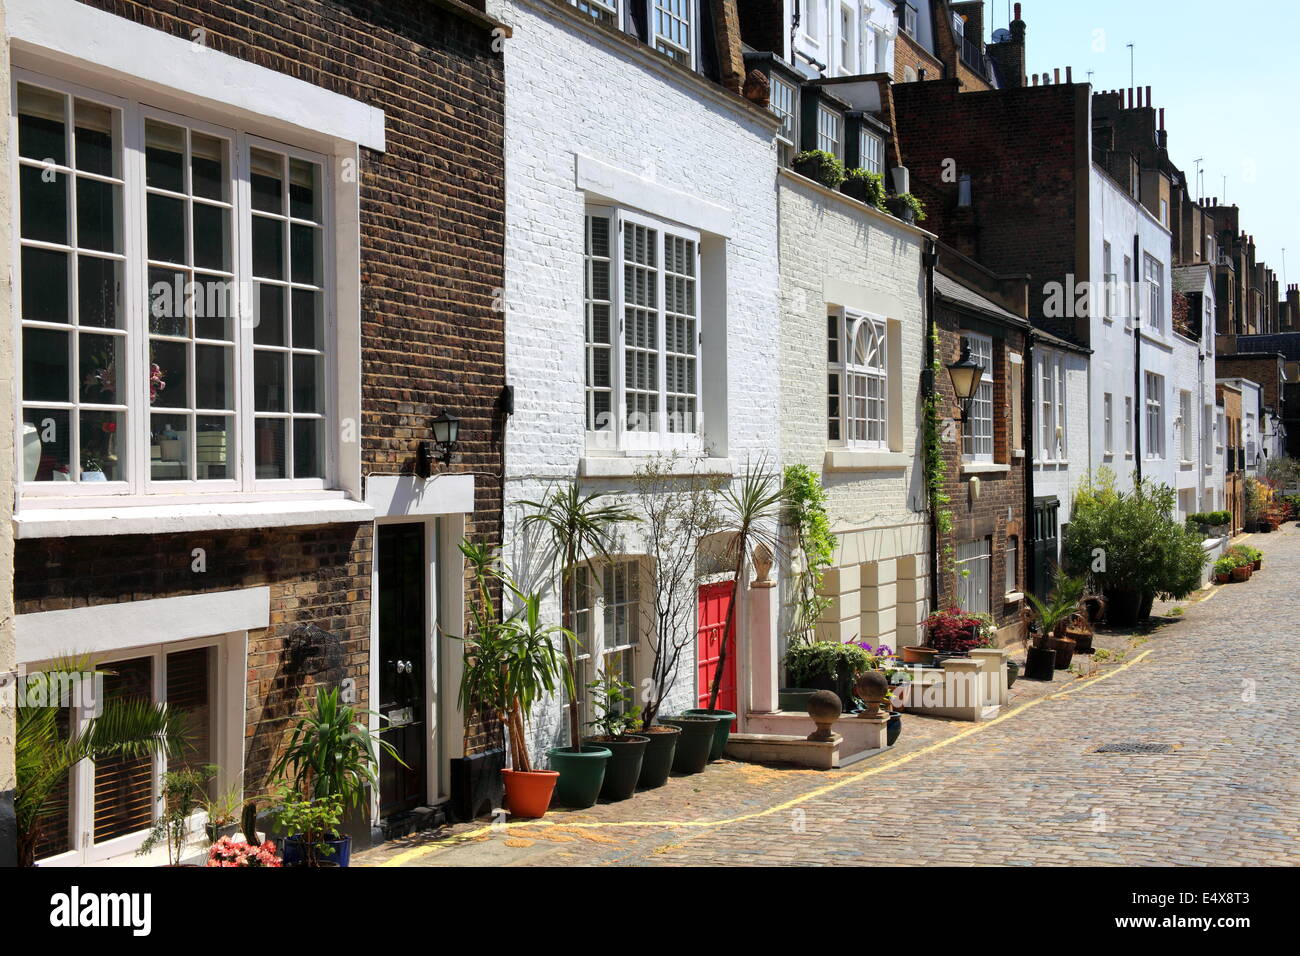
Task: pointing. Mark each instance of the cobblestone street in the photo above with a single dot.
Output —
(1212, 681)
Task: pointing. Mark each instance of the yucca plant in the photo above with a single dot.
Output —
(579, 528)
(752, 509)
(44, 755)
(510, 663)
(1062, 604)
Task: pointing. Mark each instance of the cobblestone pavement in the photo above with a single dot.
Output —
(1217, 682)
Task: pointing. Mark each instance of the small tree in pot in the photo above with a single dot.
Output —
(616, 719)
(1051, 617)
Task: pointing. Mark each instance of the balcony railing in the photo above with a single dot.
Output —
(972, 55)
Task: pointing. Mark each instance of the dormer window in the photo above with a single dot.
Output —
(605, 11)
(673, 24)
(871, 152)
(830, 131)
(909, 20)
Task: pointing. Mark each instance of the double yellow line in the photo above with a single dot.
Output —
(408, 856)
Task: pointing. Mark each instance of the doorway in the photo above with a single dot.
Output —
(402, 596)
(714, 603)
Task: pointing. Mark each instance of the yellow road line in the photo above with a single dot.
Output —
(421, 851)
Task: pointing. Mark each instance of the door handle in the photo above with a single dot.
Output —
(402, 667)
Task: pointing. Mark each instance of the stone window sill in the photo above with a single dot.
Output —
(839, 460)
(627, 466)
(984, 468)
(1013, 597)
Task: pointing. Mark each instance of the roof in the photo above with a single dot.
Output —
(1191, 278)
(960, 294)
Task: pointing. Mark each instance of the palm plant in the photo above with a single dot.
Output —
(579, 527)
(331, 753)
(1060, 607)
(752, 509)
(511, 663)
(44, 755)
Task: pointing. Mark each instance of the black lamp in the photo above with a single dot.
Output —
(446, 430)
(965, 374)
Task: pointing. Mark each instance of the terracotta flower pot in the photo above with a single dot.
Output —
(918, 655)
(1064, 647)
(528, 794)
(1241, 573)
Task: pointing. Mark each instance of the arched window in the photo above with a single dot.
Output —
(858, 403)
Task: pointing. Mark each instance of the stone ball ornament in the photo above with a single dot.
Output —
(872, 687)
(824, 707)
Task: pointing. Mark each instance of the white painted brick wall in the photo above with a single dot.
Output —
(570, 90)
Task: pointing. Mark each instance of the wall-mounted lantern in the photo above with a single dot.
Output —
(966, 374)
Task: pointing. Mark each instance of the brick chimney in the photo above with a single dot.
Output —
(731, 57)
(1292, 318)
(1009, 55)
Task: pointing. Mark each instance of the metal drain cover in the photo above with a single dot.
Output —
(1135, 748)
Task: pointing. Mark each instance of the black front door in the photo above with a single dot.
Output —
(402, 640)
(1047, 542)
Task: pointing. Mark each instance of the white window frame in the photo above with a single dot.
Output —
(684, 12)
(814, 25)
(871, 151)
(1129, 449)
(139, 487)
(785, 105)
(1155, 416)
(847, 50)
(1153, 271)
(846, 375)
(591, 623)
(1109, 280)
(830, 131)
(607, 11)
(227, 727)
(1108, 426)
(981, 407)
(619, 437)
(908, 21)
(1187, 433)
(976, 557)
(1051, 385)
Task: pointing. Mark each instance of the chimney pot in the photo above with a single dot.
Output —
(1148, 96)
(1069, 74)
(1056, 75)
(1017, 11)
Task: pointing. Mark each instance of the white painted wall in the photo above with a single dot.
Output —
(837, 252)
(1061, 477)
(822, 31)
(695, 154)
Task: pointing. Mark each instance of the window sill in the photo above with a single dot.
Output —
(838, 460)
(984, 468)
(1013, 597)
(1019, 455)
(170, 518)
(627, 466)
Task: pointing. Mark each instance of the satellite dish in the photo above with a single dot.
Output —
(1001, 36)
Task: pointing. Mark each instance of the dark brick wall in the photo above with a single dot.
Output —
(1020, 147)
(763, 25)
(999, 512)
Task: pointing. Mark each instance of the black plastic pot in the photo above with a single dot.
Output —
(657, 762)
(1013, 672)
(694, 744)
(1122, 608)
(900, 209)
(1040, 663)
(623, 769)
(893, 729)
(721, 731)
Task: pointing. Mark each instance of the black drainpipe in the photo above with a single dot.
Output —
(1138, 404)
(1029, 533)
(930, 258)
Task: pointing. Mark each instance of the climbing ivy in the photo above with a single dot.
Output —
(936, 468)
(806, 513)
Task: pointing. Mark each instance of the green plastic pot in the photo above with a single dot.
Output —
(694, 742)
(794, 700)
(660, 749)
(581, 773)
(721, 732)
(624, 767)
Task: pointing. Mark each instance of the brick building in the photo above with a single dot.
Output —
(940, 39)
(216, 485)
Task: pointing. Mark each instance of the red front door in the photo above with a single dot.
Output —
(715, 600)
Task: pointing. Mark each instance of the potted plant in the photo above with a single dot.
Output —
(616, 718)
(954, 633)
(182, 794)
(509, 665)
(224, 809)
(45, 752)
(1013, 673)
(579, 528)
(1047, 645)
(1223, 569)
(827, 665)
(906, 207)
(1241, 571)
(330, 753)
(1079, 630)
(315, 823)
(229, 852)
(865, 186)
(819, 165)
(694, 742)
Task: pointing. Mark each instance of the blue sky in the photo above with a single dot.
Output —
(1227, 75)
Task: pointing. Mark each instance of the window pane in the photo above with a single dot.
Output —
(304, 190)
(268, 328)
(214, 444)
(208, 167)
(166, 228)
(307, 330)
(214, 303)
(268, 247)
(172, 376)
(214, 377)
(307, 448)
(189, 680)
(99, 292)
(124, 785)
(169, 448)
(98, 215)
(103, 369)
(45, 365)
(268, 381)
(267, 181)
(211, 237)
(270, 448)
(42, 115)
(305, 254)
(167, 302)
(44, 199)
(50, 427)
(164, 156)
(307, 395)
(45, 285)
(102, 434)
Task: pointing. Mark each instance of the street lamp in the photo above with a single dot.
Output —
(965, 374)
(446, 432)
